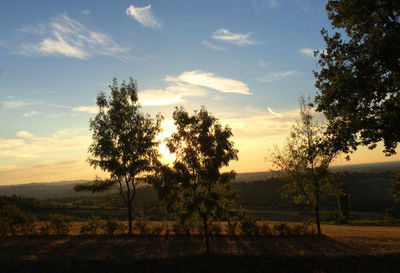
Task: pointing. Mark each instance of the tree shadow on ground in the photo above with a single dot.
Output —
(185, 254)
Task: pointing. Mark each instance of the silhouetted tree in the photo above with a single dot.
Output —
(359, 80)
(123, 144)
(194, 188)
(304, 161)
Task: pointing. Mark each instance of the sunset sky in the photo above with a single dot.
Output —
(246, 61)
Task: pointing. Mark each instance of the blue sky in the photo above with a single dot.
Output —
(247, 61)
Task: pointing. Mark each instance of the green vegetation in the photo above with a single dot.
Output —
(303, 162)
(194, 189)
(358, 80)
(123, 145)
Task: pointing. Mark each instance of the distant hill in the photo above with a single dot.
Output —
(43, 190)
(65, 188)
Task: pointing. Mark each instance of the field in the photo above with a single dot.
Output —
(341, 249)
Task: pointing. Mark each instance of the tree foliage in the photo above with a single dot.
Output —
(195, 188)
(359, 79)
(304, 161)
(123, 144)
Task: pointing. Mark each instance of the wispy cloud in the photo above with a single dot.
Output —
(278, 115)
(267, 4)
(67, 37)
(233, 38)
(191, 84)
(25, 134)
(307, 51)
(210, 45)
(61, 143)
(209, 80)
(143, 15)
(271, 3)
(30, 114)
(92, 109)
(273, 76)
(15, 103)
(86, 12)
(172, 94)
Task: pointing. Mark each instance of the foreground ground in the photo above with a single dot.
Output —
(341, 249)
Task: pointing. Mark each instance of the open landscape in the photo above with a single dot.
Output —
(200, 136)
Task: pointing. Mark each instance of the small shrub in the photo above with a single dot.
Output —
(231, 227)
(94, 223)
(13, 219)
(29, 226)
(215, 228)
(282, 229)
(265, 229)
(111, 225)
(157, 230)
(60, 224)
(44, 228)
(141, 225)
(4, 226)
(248, 225)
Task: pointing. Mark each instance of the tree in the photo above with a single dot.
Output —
(194, 188)
(123, 144)
(359, 79)
(304, 161)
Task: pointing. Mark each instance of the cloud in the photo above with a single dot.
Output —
(86, 12)
(210, 45)
(233, 38)
(307, 51)
(143, 15)
(93, 109)
(30, 114)
(253, 123)
(271, 3)
(172, 94)
(191, 84)
(25, 134)
(267, 4)
(209, 80)
(15, 103)
(274, 113)
(62, 144)
(273, 76)
(67, 37)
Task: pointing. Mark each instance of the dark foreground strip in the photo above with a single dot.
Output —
(214, 263)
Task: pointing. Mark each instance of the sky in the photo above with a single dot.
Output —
(247, 61)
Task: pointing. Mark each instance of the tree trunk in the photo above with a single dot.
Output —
(316, 210)
(130, 219)
(206, 235)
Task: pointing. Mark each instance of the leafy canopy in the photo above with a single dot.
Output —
(304, 160)
(124, 143)
(195, 186)
(359, 79)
